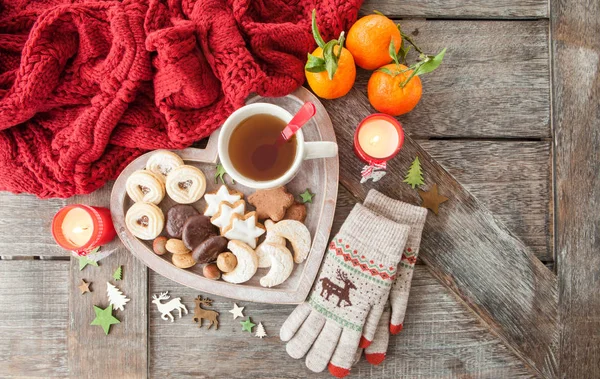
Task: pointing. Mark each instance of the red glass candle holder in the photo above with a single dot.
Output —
(358, 150)
(103, 233)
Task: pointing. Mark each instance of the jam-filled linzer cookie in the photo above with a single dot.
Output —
(144, 186)
(214, 199)
(186, 184)
(145, 220)
(162, 162)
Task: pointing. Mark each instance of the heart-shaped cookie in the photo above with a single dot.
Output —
(145, 186)
(145, 220)
(186, 184)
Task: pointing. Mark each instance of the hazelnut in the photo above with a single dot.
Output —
(211, 271)
(183, 260)
(159, 245)
(175, 246)
(226, 261)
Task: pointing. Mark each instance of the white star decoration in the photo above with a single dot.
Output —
(237, 311)
(214, 199)
(225, 212)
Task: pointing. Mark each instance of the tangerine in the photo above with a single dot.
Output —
(386, 93)
(369, 41)
(342, 80)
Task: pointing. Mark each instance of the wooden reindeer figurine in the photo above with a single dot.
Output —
(343, 293)
(200, 313)
(166, 308)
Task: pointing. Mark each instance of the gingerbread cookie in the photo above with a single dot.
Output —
(177, 215)
(196, 230)
(222, 218)
(214, 199)
(271, 203)
(145, 220)
(186, 184)
(296, 212)
(145, 187)
(244, 228)
(162, 162)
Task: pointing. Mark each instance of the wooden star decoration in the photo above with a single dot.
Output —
(247, 325)
(84, 287)
(105, 318)
(432, 199)
(237, 311)
(307, 196)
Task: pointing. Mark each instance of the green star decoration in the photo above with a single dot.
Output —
(84, 261)
(104, 318)
(220, 173)
(247, 325)
(307, 196)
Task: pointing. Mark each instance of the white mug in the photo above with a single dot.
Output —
(304, 150)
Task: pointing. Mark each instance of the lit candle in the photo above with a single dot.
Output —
(82, 228)
(378, 138)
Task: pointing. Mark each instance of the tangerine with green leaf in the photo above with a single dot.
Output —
(330, 70)
(393, 91)
(369, 39)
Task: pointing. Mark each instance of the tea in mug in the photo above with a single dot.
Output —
(254, 149)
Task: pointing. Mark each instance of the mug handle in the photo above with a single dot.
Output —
(321, 149)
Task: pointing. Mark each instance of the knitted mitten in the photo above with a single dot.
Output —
(354, 282)
(414, 217)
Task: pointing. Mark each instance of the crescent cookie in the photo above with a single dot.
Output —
(144, 186)
(247, 263)
(145, 220)
(244, 228)
(281, 263)
(298, 235)
(186, 184)
(263, 260)
(214, 199)
(162, 162)
(222, 218)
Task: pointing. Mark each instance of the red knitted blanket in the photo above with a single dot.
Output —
(85, 87)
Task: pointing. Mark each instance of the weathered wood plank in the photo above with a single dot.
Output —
(33, 319)
(575, 30)
(124, 351)
(512, 179)
(494, 81)
(25, 225)
(459, 8)
(466, 247)
(441, 338)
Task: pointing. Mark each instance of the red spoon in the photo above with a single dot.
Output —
(265, 155)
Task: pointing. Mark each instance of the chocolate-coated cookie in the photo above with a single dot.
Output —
(209, 250)
(197, 229)
(177, 216)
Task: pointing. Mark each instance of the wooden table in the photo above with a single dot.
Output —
(511, 122)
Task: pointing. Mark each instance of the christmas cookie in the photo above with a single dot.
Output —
(145, 220)
(281, 262)
(226, 262)
(247, 263)
(271, 238)
(145, 187)
(214, 199)
(162, 162)
(298, 235)
(296, 211)
(196, 230)
(271, 203)
(210, 249)
(244, 228)
(183, 260)
(177, 215)
(176, 246)
(222, 218)
(186, 184)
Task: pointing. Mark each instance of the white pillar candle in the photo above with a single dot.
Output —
(378, 138)
(77, 226)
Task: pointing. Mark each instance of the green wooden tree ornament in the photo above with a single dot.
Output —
(414, 176)
(118, 274)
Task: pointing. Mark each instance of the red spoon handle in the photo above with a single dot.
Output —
(304, 114)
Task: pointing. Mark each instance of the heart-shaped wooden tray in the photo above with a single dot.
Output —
(319, 175)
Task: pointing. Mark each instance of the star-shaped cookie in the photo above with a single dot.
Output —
(244, 228)
(214, 199)
(222, 218)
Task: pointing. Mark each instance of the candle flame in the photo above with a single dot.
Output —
(374, 140)
(79, 229)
